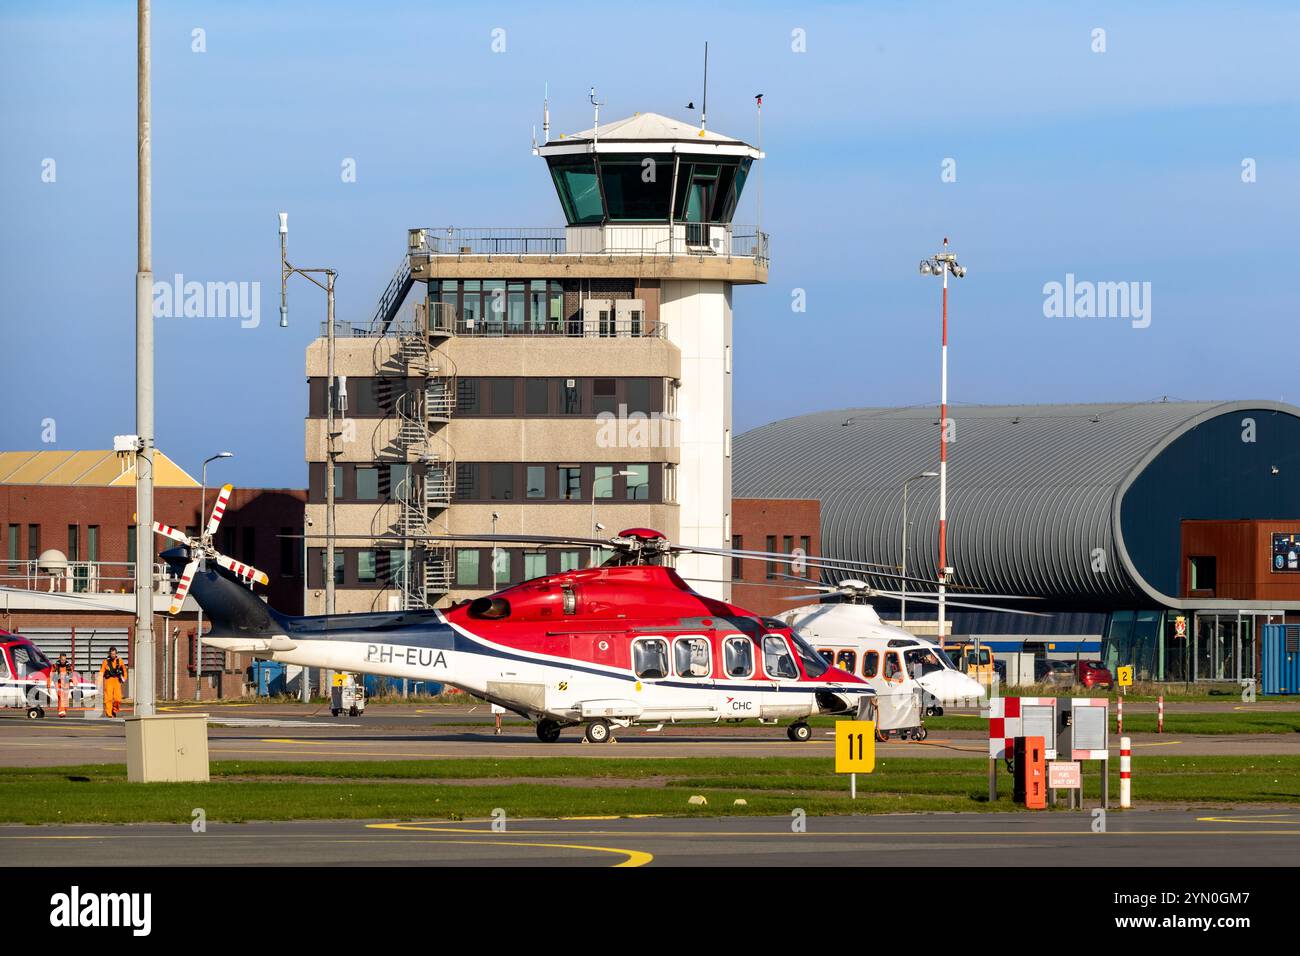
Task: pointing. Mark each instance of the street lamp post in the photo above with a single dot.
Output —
(594, 527)
(304, 692)
(902, 614)
(203, 536)
(940, 264)
(331, 399)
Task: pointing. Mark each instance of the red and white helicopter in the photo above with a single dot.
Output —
(625, 643)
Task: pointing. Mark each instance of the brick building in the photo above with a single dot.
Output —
(69, 551)
(783, 525)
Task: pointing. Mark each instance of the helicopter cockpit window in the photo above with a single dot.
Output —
(28, 660)
(692, 656)
(922, 661)
(777, 660)
(813, 664)
(738, 656)
(650, 658)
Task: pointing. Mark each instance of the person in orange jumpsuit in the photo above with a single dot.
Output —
(60, 674)
(112, 674)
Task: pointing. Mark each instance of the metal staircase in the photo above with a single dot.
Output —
(423, 414)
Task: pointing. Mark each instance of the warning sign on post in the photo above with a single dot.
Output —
(1125, 675)
(855, 746)
(1064, 775)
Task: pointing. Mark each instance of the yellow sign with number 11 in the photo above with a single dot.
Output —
(855, 746)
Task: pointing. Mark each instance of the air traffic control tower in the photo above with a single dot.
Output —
(551, 379)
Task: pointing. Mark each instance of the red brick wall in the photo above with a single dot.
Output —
(54, 508)
(753, 520)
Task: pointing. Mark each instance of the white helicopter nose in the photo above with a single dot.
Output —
(951, 687)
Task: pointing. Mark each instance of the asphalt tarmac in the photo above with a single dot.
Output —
(1131, 838)
(396, 732)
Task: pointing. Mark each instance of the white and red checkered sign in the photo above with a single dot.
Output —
(1104, 704)
(1006, 723)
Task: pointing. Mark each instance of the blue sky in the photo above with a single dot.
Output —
(1117, 166)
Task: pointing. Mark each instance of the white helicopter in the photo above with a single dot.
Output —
(911, 676)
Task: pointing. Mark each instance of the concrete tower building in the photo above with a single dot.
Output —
(550, 380)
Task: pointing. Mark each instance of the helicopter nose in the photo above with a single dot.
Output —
(951, 687)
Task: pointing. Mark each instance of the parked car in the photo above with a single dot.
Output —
(1057, 673)
(1095, 674)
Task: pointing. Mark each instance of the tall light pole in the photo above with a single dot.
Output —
(902, 614)
(594, 527)
(287, 270)
(203, 536)
(143, 689)
(940, 264)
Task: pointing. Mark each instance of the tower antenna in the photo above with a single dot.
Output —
(546, 113)
(595, 128)
(704, 109)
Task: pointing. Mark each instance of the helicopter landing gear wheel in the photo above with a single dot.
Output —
(35, 713)
(548, 731)
(799, 732)
(920, 733)
(598, 732)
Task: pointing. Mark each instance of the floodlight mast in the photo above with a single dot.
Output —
(940, 264)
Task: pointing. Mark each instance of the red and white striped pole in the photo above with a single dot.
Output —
(1160, 714)
(1119, 716)
(1125, 773)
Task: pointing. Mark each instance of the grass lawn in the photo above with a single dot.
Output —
(439, 789)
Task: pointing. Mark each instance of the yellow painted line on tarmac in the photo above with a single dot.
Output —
(1162, 743)
(1265, 818)
(633, 857)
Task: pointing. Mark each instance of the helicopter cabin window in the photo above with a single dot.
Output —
(847, 661)
(870, 663)
(922, 661)
(650, 658)
(777, 659)
(692, 656)
(893, 668)
(738, 657)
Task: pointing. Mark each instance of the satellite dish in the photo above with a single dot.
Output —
(52, 560)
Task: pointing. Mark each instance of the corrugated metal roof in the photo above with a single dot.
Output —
(100, 469)
(1031, 488)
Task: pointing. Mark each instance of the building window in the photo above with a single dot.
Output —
(367, 484)
(15, 532)
(366, 570)
(396, 572)
(467, 481)
(503, 481)
(92, 542)
(130, 544)
(74, 542)
(250, 545)
(534, 564)
(772, 566)
(570, 560)
(570, 482)
(536, 483)
(467, 562)
(503, 396)
(737, 564)
(494, 304)
(604, 395)
(602, 481)
(537, 396)
(338, 565)
(34, 542)
(500, 567)
(287, 552)
(467, 395)
(572, 396)
(638, 483)
(1203, 572)
(638, 395)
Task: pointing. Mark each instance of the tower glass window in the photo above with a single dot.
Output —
(638, 483)
(570, 482)
(575, 181)
(536, 481)
(602, 481)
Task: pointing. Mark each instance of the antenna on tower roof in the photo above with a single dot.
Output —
(546, 112)
(704, 107)
(595, 128)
